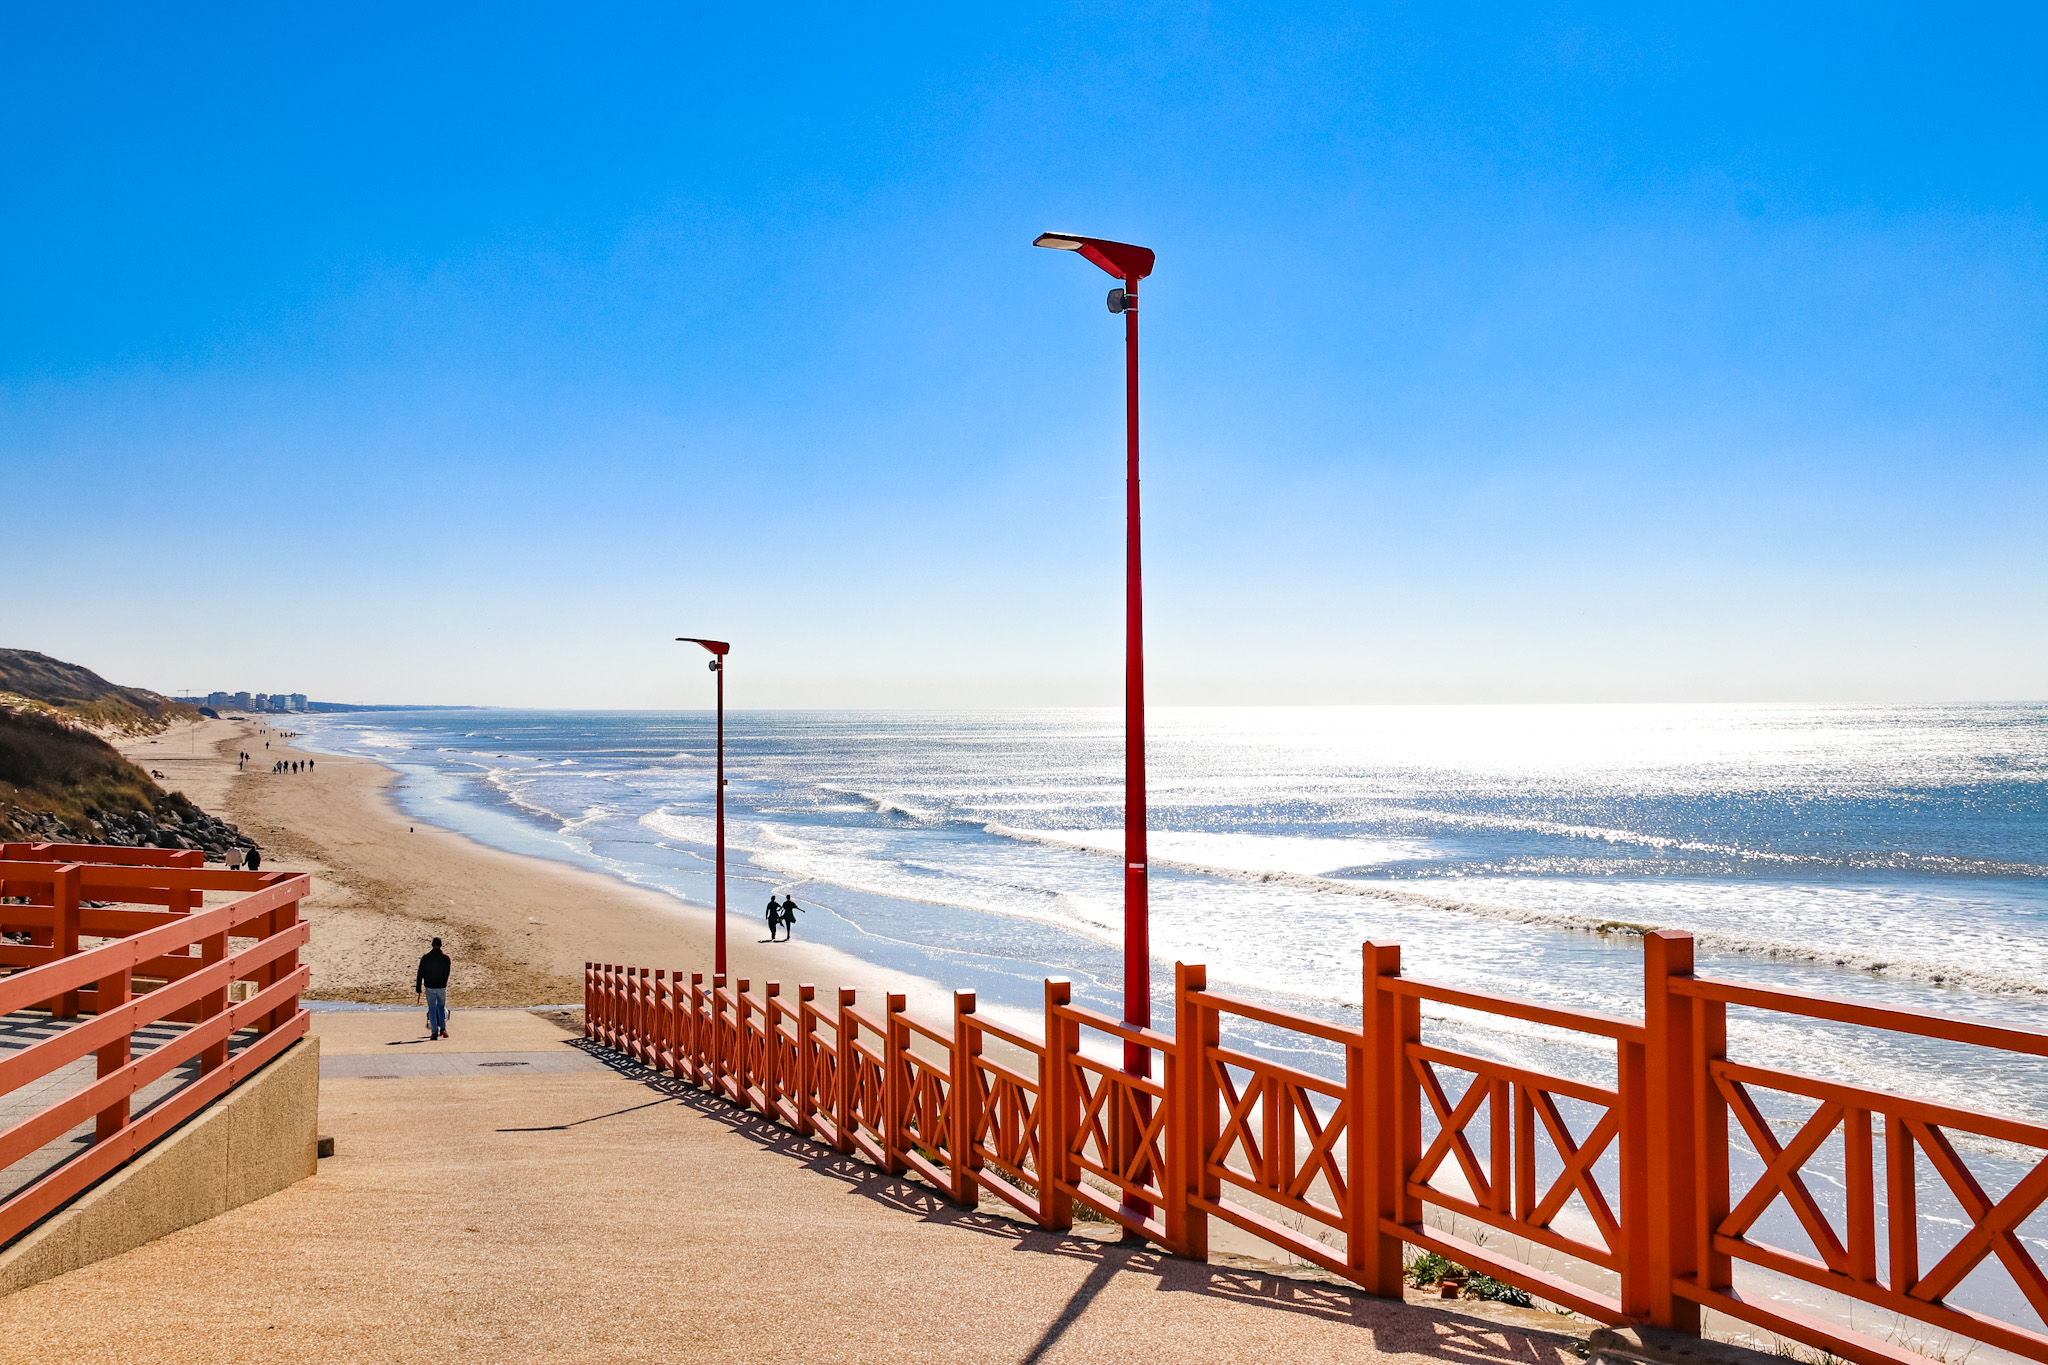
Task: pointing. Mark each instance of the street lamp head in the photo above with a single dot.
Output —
(1120, 259)
(718, 647)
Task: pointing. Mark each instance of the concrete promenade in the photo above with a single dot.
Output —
(502, 1196)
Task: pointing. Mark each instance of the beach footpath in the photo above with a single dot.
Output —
(520, 929)
(511, 1194)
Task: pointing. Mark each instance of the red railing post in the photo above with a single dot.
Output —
(1056, 1106)
(965, 1119)
(1668, 1131)
(607, 990)
(806, 1071)
(716, 1024)
(680, 1004)
(664, 1022)
(589, 997)
(1710, 1111)
(621, 1009)
(267, 974)
(287, 915)
(611, 1004)
(680, 1033)
(1902, 1204)
(213, 948)
(695, 1031)
(644, 1017)
(743, 1011)
(771, 1049)
(64, 929)
(1378, 1191)
(895, 1041)
(849, 1069)
(114, 992)
(1191, 1103)
(636, 1013)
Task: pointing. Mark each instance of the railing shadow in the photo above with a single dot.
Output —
(1421, 1329)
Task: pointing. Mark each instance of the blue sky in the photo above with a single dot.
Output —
(1494, 354)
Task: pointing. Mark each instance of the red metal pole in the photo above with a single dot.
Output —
(1137, 918)
(719, 934)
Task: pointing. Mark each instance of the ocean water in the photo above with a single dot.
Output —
(1892, 854)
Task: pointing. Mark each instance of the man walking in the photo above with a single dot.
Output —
(774, 916)
(431, 981)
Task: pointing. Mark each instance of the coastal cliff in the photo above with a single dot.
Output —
(61, 782)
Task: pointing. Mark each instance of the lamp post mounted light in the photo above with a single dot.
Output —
(719, 649)
(1129, 264)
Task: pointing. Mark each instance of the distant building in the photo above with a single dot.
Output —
(274, 703)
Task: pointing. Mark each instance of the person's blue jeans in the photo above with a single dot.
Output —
(437, 1009)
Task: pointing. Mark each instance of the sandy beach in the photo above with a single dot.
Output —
(519, 928)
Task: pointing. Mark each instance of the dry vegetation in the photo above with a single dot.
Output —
(32, 682)
(52, 768)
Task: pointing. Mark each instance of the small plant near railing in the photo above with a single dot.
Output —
(1497, 1291)
(1804, 1355)
(1434, 1268)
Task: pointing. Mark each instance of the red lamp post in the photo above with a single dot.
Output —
(1129, 264)
(719, 649)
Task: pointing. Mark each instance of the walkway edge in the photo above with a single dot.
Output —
(258, 1138)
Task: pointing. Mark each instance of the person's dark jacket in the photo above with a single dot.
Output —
(433, 972)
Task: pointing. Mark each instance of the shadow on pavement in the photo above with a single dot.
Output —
(1420, 1329)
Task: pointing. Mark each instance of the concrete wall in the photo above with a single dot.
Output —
(255, 1140)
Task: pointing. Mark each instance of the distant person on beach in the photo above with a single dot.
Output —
(431, 981)
(774, 916)
(255, 860)
(234, 858)
(790, 910)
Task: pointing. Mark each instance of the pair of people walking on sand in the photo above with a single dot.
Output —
(782, 913)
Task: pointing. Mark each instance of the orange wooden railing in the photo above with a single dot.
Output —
(1043, 1123)
(183, 956)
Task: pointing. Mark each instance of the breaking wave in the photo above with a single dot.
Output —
(1781, 950)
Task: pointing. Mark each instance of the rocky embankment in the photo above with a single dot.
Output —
(175, 823)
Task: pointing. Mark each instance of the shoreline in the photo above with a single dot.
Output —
(520, 927)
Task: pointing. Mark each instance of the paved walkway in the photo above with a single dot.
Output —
(574, 1211)
(560, 1062)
